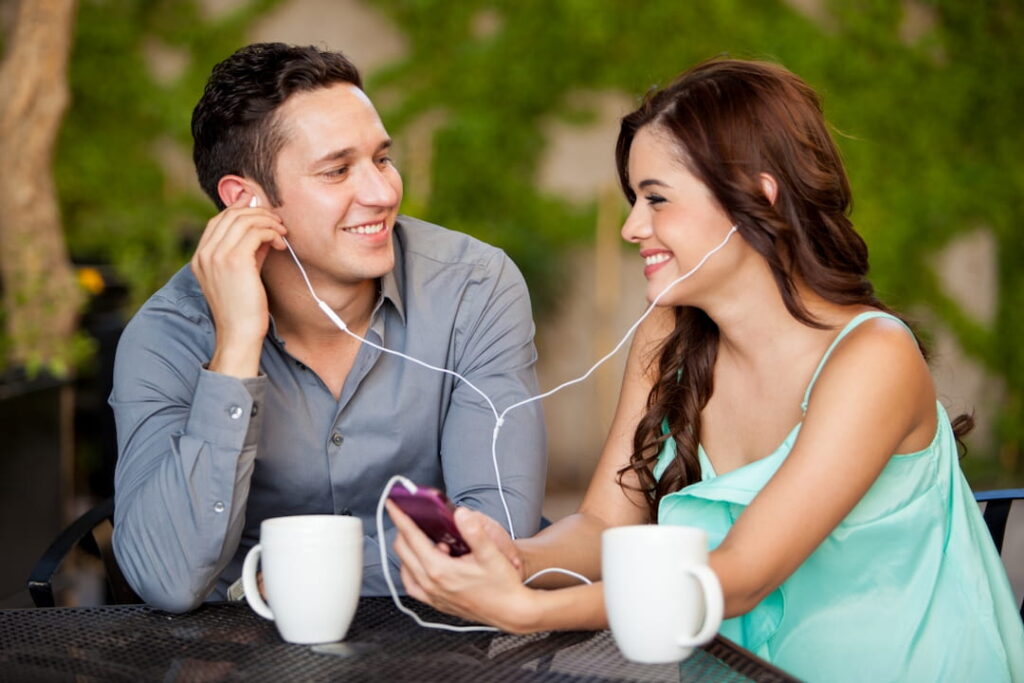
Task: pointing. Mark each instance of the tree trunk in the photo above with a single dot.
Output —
(41, 296)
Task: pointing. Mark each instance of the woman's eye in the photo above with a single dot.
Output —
(653, 199)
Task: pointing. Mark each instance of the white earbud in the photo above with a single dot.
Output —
(254, 202)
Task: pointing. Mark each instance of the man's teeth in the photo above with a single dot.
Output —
(657, 258)
(367, 229)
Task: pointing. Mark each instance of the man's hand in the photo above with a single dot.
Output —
(227, 265)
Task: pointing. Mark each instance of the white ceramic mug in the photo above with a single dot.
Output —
(661, 596)
(312, 571)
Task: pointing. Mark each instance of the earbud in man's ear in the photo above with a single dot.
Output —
(254, 202)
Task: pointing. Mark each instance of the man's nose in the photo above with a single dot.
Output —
(377, 188)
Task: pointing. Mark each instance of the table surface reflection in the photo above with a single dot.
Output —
(227, 641)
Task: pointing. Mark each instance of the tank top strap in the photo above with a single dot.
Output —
(850, 326)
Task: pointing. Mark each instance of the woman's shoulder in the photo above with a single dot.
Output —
(876, 351)
(877, 335)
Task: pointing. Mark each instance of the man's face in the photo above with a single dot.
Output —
(338, 188)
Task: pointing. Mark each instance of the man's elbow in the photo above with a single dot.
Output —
(157, 587)
(176, 603)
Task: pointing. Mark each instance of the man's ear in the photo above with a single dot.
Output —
(769, 187)
(232, 187)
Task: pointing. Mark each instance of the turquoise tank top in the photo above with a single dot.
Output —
(908, 587)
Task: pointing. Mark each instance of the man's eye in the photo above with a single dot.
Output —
(385, 161)
(336, 172)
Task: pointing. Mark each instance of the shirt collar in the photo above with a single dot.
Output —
(392, 284)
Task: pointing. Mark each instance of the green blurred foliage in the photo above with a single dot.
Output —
(929, 129)
(118, 205)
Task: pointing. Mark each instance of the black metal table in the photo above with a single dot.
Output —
(227, 641)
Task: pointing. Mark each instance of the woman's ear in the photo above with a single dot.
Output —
(769, 187)
(232, 187)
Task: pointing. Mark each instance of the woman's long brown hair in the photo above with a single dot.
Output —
(733, 120)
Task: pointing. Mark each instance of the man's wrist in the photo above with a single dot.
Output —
(239, 361)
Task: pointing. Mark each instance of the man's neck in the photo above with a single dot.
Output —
(298, 318)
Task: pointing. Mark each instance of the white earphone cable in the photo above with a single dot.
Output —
(499, 420)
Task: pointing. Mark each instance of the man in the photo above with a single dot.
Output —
(237, 399)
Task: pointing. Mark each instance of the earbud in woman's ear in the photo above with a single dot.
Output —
(254, 202)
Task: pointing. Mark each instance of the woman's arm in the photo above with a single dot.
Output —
(874, 398)
(575, 542)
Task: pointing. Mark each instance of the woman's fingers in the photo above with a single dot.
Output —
(416, 551)
(404, 523)
(410, 560)
(501, 538)
(412, 586)
(472, 526)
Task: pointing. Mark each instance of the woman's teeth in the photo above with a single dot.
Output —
(654, 259)
(367, 229)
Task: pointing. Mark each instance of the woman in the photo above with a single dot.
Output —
(775, 402)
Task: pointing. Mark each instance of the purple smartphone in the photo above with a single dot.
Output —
(433, 513)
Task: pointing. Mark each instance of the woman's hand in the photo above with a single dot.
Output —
(484, 586)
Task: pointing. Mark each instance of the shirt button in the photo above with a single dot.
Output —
(337, 438)
(235, 412)
(218, 507)
(255, 409)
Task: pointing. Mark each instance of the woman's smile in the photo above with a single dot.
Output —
(654, 259)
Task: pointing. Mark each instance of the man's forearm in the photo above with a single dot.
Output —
(181, 492)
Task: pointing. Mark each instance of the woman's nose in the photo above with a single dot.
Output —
(636, 226)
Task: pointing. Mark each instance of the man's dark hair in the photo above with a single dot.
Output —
(234, 126)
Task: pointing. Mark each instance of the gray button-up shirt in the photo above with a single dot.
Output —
(204, 458)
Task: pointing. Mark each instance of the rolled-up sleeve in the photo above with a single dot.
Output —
(187, 441)
(496, 353)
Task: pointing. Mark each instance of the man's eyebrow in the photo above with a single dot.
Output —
(651, 182)
(349, 151)
(336, 154)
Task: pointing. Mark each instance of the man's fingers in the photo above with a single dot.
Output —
(233, 228)
(241, 201)
(218, 227)
(240, 239)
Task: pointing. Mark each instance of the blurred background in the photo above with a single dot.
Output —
(505, 114)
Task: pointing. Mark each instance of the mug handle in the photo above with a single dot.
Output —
(713, 605)
(252, 588)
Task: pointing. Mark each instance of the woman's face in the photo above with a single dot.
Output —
(675, 220)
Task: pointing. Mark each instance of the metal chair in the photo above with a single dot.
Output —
(83, 534)
(997, 511)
